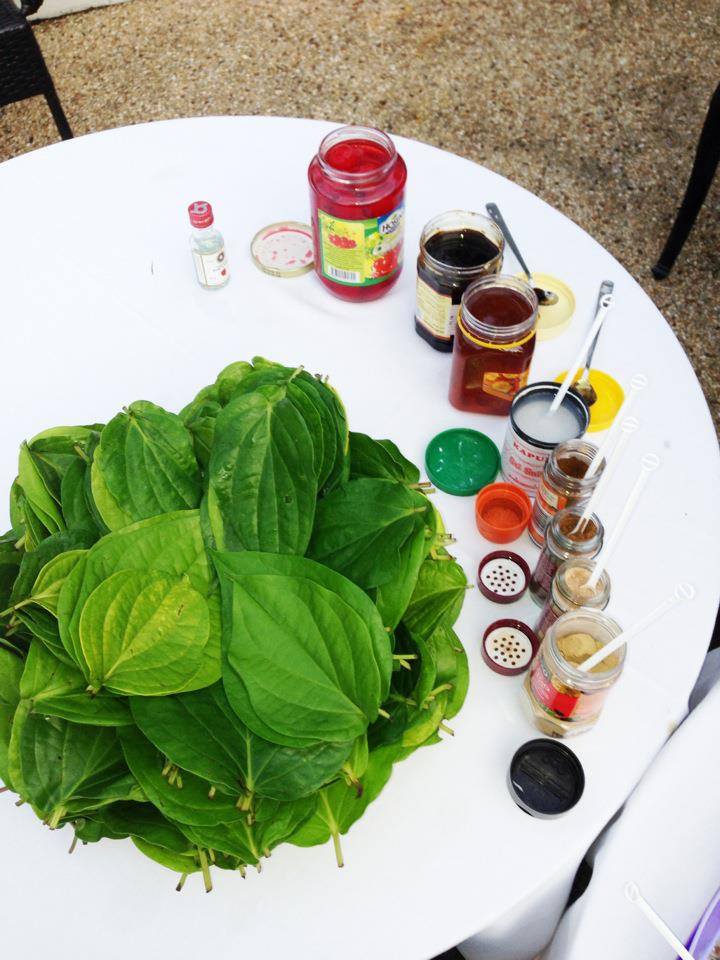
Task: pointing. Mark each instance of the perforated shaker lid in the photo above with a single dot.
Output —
(546, 779)
(503, 576)
(509, 646)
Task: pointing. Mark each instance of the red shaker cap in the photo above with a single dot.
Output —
(503, 576)
(508, 647)
(502, 512)
(201, 214)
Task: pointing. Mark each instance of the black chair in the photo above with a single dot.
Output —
(703, 171)
(23, 72)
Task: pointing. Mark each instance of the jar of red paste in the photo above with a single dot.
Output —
(494, 344)
(357, 192)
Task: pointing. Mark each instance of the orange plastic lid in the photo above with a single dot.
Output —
(502, 511)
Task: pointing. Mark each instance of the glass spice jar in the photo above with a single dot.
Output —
(456, 248)
(357, 194)
(564, 542)
(494, 344)
(563, 699)
(568, 592)
(563, 484)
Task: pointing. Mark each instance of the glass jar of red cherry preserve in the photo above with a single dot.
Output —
(494, 344)
(357, 192)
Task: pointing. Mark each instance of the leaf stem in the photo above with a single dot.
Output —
(383, 713)
(338, 848)
(205, 870)
(446, 729)
(181, 882)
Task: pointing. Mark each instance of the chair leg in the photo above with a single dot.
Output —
(706, 162)
(61, 121)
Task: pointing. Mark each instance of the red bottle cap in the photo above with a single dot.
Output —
(502, 512)
(201, 214)
(503, 576)
(509, 646)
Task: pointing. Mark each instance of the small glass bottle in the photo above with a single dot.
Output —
(208, 247)
(494, 344)
(563, 484)
(357, 200)
(564, 542)
(456, 248)
(563, 699)
(569, 592)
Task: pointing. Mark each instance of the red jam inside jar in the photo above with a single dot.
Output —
(494, 344)
(357, 193)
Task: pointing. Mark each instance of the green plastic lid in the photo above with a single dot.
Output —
(461, 461)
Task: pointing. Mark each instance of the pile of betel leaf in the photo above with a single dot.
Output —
(221, 629)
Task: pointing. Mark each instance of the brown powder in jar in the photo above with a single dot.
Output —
(567, 529)
(577, 647)
(574, 467)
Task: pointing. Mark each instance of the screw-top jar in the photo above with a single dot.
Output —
(569, 592)
(563, 483)
(563, 699)
(563, 541)
(357, 192)
(455, 248)
(494, 344)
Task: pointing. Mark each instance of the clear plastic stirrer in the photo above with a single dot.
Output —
(637, 385)
(632, 892)
(628, 427)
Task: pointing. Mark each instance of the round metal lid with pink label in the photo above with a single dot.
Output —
(284, 249)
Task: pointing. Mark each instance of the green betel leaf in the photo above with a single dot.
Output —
(77, 511)
(11, 668)
(56, 689)
(392, 598)
(32, 563)
(147, 462)
(438, 596)
(201, 733)
(380, 459)
(168, 546)
(143, 635)
(361, 528)
(340, 805)
(10, 558)
(144, 821)
(37, 493)
(61, 762)
(261, 484)
(46, 589)
(189, 801)
(307, 646)
(451, 667)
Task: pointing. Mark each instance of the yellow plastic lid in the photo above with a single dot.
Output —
(610, 397)
(554, 319)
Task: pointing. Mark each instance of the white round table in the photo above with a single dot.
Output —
(101, 307)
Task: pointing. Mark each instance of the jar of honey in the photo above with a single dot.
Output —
(563, 699)
(569, 591)
(564, 541)
(357, 194)
(563, 484)
(456, 248)
(494, 344)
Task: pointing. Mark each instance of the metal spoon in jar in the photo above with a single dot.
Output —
(582, 385)
(546, 298)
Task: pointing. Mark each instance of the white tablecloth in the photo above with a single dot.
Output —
(101, 307)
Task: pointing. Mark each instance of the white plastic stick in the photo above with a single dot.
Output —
(683, 591)
(628, 427)
(649, 464)
(637, 385)
(605, 308)
(632, 892)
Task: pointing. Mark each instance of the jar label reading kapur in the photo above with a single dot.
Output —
(360, 253)
(211, 268)
(435, 311)
(560, 701)
(522, 462)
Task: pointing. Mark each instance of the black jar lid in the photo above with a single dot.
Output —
(545, 779)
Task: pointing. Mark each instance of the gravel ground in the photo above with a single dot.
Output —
(596, 107)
